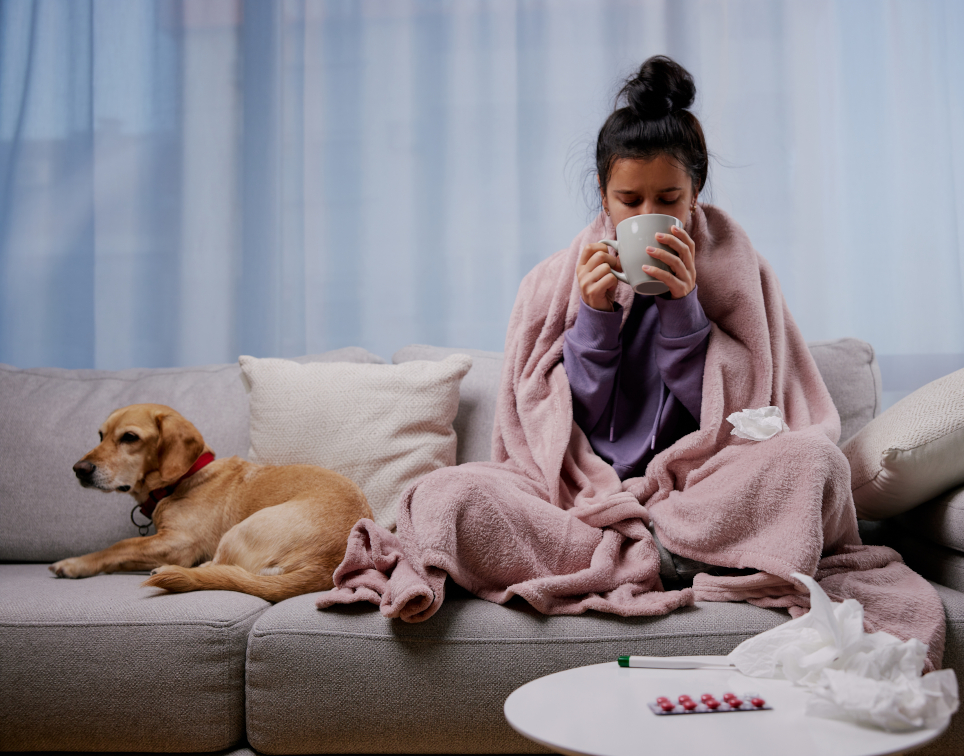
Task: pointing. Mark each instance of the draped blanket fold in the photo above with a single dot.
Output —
(550, 521)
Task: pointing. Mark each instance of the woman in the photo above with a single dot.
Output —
(636, 389)
(611, 420)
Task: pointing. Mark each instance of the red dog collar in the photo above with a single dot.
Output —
(155, 496)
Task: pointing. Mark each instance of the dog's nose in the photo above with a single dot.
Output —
(84, 469)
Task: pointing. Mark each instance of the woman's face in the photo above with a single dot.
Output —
(643, 187)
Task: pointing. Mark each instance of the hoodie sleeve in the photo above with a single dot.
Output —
(684, 334)
(591, 352)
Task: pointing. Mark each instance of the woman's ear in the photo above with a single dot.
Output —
(691, 211)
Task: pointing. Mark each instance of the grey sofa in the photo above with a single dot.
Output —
(102, 664)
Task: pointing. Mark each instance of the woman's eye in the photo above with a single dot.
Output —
(129, 438)
(669, 200)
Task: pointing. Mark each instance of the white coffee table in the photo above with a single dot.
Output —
(602, 710)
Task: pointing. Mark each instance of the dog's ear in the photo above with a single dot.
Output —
(178, 447)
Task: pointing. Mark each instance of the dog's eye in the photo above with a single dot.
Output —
(129, 438)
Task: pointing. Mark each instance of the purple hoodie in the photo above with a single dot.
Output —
(638, 391)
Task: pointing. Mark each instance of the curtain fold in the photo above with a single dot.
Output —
(184, 181)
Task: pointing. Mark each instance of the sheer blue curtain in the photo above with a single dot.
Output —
(184, 181)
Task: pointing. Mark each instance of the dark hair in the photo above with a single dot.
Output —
(654, 121)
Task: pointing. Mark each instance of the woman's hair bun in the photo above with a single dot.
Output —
(660, 87)
(655, 120)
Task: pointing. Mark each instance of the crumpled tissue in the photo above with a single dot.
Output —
(757, 424)
(870, 678)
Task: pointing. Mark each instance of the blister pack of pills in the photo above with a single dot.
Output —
(708, 704)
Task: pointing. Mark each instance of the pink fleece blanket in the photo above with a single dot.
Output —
(550, 521)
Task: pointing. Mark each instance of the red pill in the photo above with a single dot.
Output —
(728, 696)
(667, 706)
(758, 702)
(713, 703)
(662, 699)
(689, 704)
(684, 698)
(706, 697)
(735, 703)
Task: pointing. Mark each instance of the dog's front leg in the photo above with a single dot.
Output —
(130, 555)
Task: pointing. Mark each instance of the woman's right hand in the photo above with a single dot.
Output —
(596, 280)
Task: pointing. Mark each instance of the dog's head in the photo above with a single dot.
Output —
(142, 447)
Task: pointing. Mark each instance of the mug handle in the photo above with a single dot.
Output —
(615, 245)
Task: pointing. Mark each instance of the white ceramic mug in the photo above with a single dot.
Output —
(633, 235)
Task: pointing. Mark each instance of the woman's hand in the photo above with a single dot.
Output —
(597, 284)
(681, 276)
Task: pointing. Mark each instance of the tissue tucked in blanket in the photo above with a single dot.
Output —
(758, 424)
(550, 521)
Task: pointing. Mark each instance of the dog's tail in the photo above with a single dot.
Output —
(225, 577)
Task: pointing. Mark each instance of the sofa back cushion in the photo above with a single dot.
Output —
(848, 367)
(49, 419)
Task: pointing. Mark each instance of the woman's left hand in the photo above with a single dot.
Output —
(681, 276)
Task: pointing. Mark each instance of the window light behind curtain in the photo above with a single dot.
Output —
(184, 182)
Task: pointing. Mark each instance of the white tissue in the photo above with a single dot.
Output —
(871, 678)
(758, 424)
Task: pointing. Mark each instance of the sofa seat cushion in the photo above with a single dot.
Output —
(103, 664)
(348, 680)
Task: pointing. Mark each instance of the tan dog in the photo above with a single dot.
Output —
(271, 531)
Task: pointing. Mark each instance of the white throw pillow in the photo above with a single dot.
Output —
(912, 452)
(382, 426)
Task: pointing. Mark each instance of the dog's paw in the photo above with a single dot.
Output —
(170, 577)
(71, 568)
